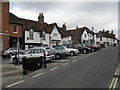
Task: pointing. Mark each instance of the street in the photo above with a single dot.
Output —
(92, 70)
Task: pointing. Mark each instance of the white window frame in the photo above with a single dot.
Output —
(16, 29)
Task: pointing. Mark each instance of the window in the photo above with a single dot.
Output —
(15, 29)
(101, 39)
(85, 35)
(55, 34)
(39, 51)
(31, 34)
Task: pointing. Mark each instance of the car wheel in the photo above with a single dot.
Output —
(57, 56)
(84, 51)
(72, 53)
(10, 55)
(93, 49)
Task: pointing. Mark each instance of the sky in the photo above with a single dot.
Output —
(100, 15)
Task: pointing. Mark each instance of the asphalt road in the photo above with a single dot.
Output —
(94, 70)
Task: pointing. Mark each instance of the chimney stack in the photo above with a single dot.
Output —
(41, 18)
(64, 26)
(77, 27)
(103, 30)
(112, 31)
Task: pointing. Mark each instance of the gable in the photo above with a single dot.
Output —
(55, 35)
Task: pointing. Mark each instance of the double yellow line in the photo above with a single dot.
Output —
(115, 79)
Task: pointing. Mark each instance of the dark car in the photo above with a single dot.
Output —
(80, 48)
(97, 46)
(102, 45)
(93, 48)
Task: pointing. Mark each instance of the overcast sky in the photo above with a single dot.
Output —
(100, 15)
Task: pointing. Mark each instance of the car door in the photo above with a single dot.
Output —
(27, 53)
(38, 53)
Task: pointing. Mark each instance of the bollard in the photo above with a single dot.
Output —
(24, 66)
(16, 61)
(45, 66)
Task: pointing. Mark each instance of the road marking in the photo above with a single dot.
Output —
(115, 79)
(37, 74)
(65, 64)
(53, 68)
(112, 83)
(114, 86)
(74, 60)
(14, 84)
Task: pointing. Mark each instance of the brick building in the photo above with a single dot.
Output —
(4, 24)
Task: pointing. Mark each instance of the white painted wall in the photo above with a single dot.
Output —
(109, 40)
(36, 38)
(55, 36)
(83, 36)
(67, 40)
(104, 39)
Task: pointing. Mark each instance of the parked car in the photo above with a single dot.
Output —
(81, 49)
(60, 52)
(97, 46)
(10, 52)
(93, 48)
(35, 52)
(102, 45)
(72, 51)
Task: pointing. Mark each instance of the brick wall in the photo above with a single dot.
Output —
(5, 24)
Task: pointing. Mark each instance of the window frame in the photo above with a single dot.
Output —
(16, 32)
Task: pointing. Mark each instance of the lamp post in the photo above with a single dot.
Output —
(93, 41)
(18, 47)
(40, 35)
(49, 39)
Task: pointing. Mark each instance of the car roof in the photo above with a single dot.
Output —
(38, 48)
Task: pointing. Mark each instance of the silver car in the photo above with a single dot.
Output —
(35, 52)
(10, 52)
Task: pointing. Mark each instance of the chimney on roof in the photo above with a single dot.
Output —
(92, 28)
(64, 26)
(76, 27)
(41, 18)
(103, 30)
(112, 31)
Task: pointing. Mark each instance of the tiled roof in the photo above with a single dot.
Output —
(106, 34)
(30, 24)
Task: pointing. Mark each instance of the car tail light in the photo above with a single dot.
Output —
(3, 51)
(49, 54)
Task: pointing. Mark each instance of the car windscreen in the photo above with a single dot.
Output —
(39, 51)
(50, 51)
(28, 51)
(59, 47)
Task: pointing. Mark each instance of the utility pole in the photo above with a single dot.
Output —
(18, 47)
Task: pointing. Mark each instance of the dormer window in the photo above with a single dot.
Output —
(31, 34)
(15, 29)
